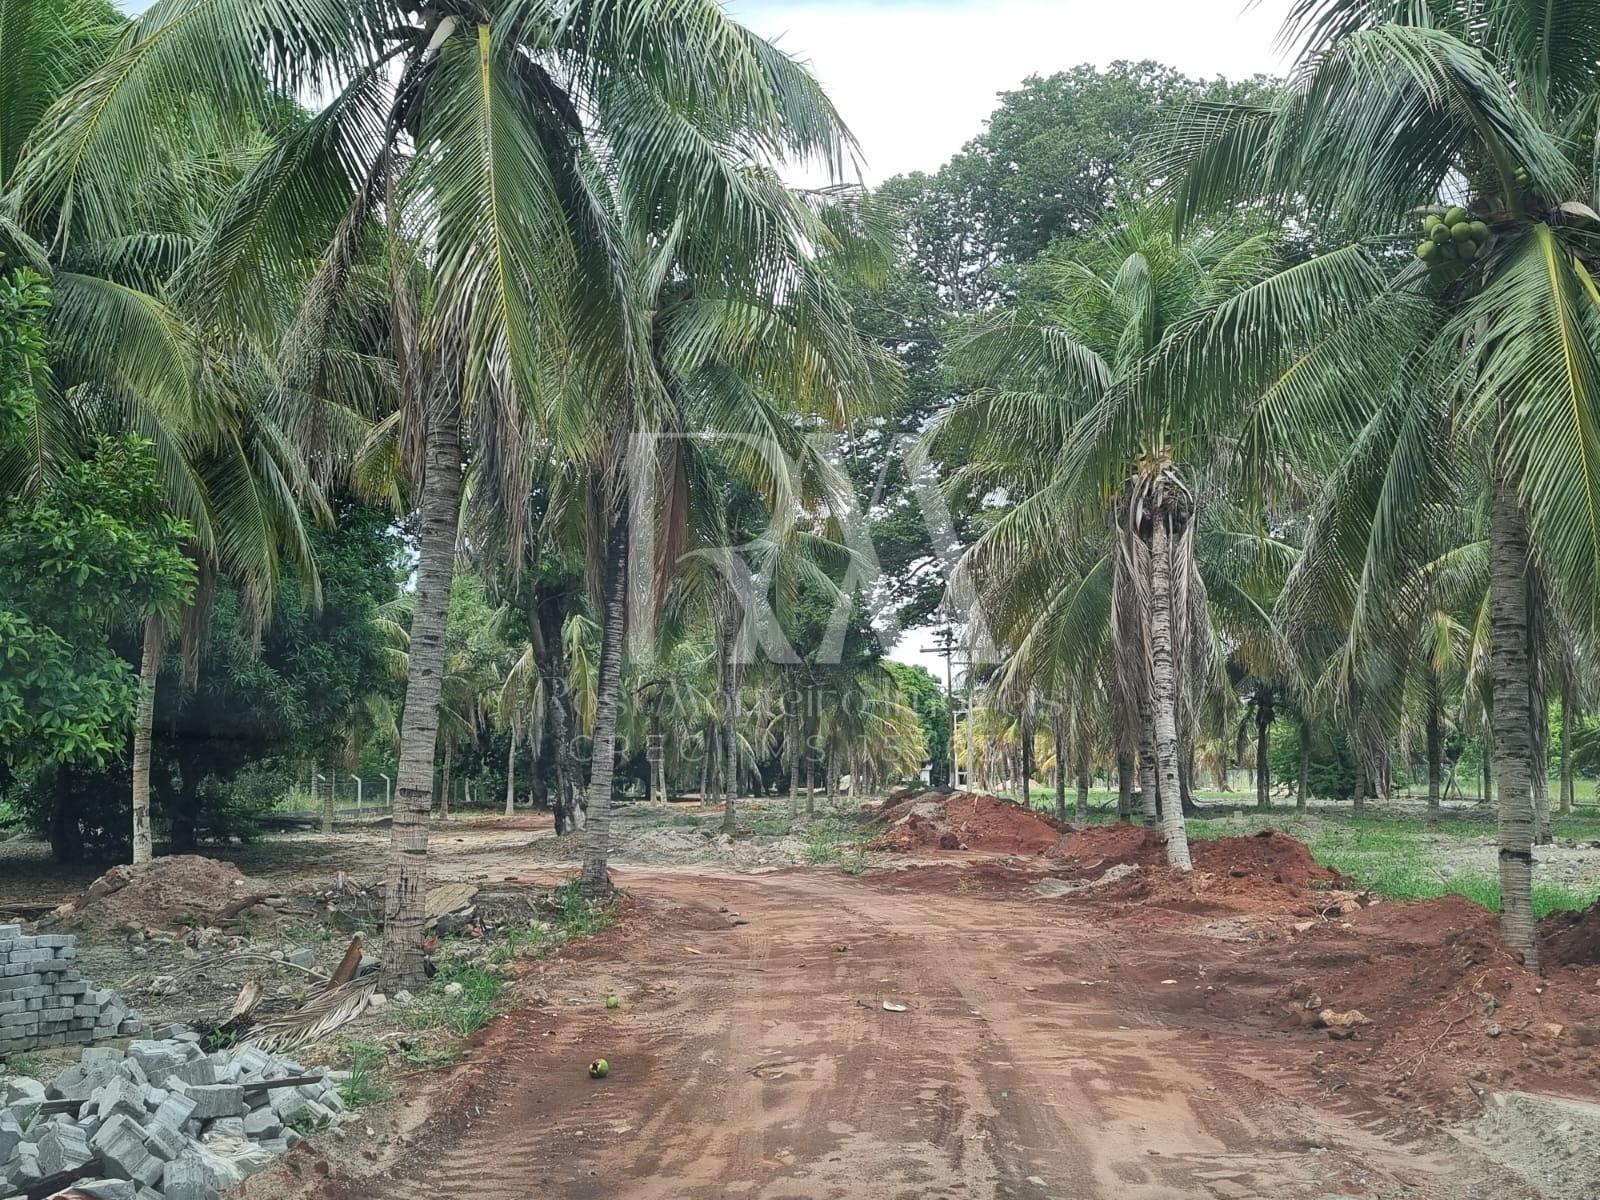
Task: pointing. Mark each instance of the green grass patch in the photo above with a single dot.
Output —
(677, 816)
(833, 842)
(768, 824)
(364, 1060)
(22, 1063)
(438, 1005)
(577, 917)
(430, 1054)
(1393, 859)
(570, 916)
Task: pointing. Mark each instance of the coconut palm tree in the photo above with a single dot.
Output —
(514, 140)
(1478, 113)
(1109, 413)
(734, 363)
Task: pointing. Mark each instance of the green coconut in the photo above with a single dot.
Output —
(1461, 231)
(1480, 231)
(599, 1069)
(1454, 216)
(1441, 233)
(1428, 251)
(612, 1001)
(1468, 251)
(1431, 222)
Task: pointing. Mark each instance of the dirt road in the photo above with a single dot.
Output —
(1047, 1052)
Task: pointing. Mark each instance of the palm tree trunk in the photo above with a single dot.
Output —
(1124, 786)
(1025, 760)
(1435, 753)
(553, 667)
(444, 795)
(792, 739)
(1539, 731)
(1164, 689)
(1149, 785)
(1186, 780)
(511, 773)
(730, 765)
(730, 708)
(1488, 746)
(1061, 772)
(595, 882)
(407, 875)
(1302, 791)
(1264, 750)
(535, 772)
(1083, 785)
(143, 731)
(1566, 747)
(1513, 740)
(709, 745)
(811, 783)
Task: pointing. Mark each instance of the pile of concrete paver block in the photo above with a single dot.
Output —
(162, 1120)
(44, 1002)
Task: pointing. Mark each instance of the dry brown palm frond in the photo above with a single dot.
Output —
(327, 1010)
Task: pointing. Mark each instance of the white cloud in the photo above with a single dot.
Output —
(916, 79)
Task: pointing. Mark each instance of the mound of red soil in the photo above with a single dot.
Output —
(1447, 1002)
(182, 889)
(1260, 871)
(1268, 857)
(966, 821)
(1570, 939)
(1107, 843)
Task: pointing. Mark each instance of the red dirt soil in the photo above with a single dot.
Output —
(1265, 872)
(1066, 1047)
(1571, 939)
(966, 821)
(180, 889)
(1451, 1009)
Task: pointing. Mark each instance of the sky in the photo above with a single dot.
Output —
(915, 79)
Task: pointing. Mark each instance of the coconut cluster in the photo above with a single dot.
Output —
(1450, 237)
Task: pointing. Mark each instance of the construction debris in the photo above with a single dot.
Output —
(43, 1000)
(165, 1117)
(332, 1007)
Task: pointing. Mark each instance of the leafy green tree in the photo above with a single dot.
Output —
(91, 553)
(1057, 157)
(926, 697)
(79, 559)
(1104, 412)
(297, 699)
